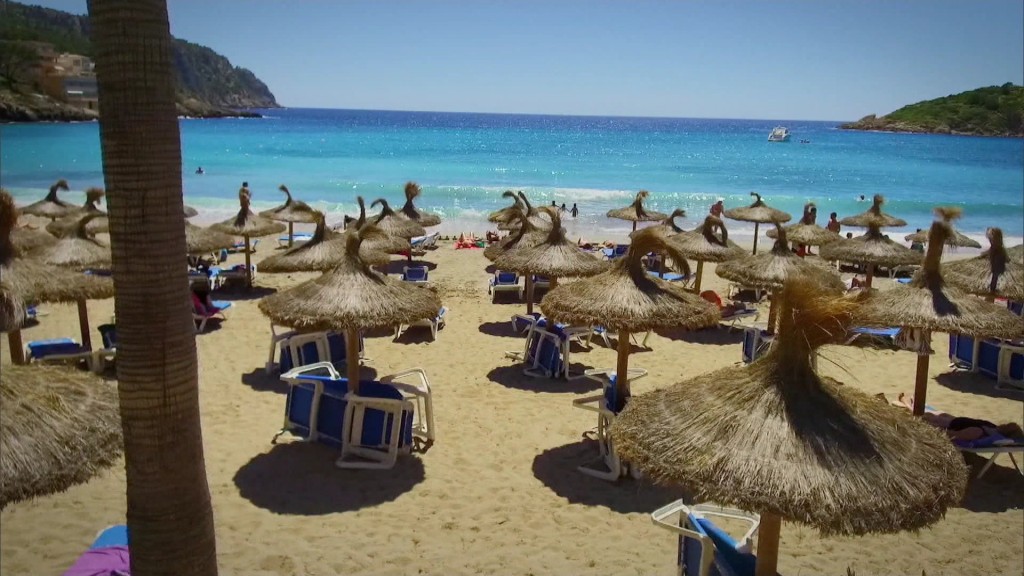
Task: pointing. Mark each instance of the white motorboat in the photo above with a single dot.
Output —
(779, 134)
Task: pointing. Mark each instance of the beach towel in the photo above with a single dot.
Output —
(987, 442)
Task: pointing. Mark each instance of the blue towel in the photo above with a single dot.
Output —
(43, 348)
(741, 563)
(993, 440)
(113, 536)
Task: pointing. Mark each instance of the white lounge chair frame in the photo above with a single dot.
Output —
(595, 403)
(994, 452)
(426, 274)
(606, 336)
(434, 324)
(275, 339)
(1003, 379)
(493, 287)
(681, 511)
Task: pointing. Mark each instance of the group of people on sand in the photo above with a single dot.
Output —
(960, 427)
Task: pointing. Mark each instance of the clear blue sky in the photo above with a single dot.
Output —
(801, 60)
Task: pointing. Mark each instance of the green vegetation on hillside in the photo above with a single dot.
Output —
(207, 83)
(989, 111)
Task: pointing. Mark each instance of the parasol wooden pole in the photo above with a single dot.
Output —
(756, 226)
(621, 370)
(529, 293)
(291, 235)
(248, 267)
(700, 270)
(552, 282)
(634, 226)
(83, 322)
(868, 275)
(768, 545)
(772, 311)
(17, 346)
(921, 383)
(352, 359)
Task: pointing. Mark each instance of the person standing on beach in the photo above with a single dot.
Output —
(575, 210)
(717, 208)
(833, 224)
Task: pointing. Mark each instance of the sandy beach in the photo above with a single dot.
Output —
(499, 492)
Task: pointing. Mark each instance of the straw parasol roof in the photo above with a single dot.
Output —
(60, 427)
(199, 240)
(28, 239)
(626, 298)
(758, 212)
(76, 249)
(534, 215)
(1016, 253)
(509, 212)
(98, 225)
(291, 211)
(702, 244)
(425, 219)
(525, 234)
(555, 256)
(246, 223)
(873, 214)
(872, 248)
(779, 439)
(958, 239)
(393, 223)
(668, 225)
(351, 296)
(12, 310)
(928, 304)
(52, 207)
(992, 273)
(377, 243)
(320, 253)
(771, 269)
(636, 212)
(807, 231)
(190, 212)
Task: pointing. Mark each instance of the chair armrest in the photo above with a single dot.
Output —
(295, 373)
(591, 403)
(631, 373)
(420, 387)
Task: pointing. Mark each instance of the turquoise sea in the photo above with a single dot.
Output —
(465, 161)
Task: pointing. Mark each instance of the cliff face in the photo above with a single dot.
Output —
(208, 85)
(989, 111)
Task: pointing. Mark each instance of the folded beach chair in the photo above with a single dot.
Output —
(201, 313)
(108, 333)
(387, 418)
(607, 405)
(430, 241)
(524, 322)
(58, 350)
(276, 338)
(541, 282)
(283, 240)
(240, 246)
(504, 282)
(607, 335)
(999, 359)
(887, 335)
(704, 548)
(316, 347)
(613, 253)
(108, 554)
(547, 350)
(756, 342)
(1010, 370)
(435, 324)
(415, 275)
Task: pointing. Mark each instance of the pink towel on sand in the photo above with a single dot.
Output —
(106, 561)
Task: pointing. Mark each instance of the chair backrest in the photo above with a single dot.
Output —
(1016, 307)
(108, 332)
(540, 278)
(544, 350)
(414, 273)
(621, 249)
(377, 424)
(502, 277)
(304, 349)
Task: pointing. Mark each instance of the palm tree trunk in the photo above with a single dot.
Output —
(170, 519)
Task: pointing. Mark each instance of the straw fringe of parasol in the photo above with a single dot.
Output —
(776, 438)
(376, 243)
(291, 211)
(246, 223)
(98, 225)
(927, 304)
(27, 240)
(1016, 253)
(872, 249)
(958, 239)
(991, 274)
(758, 212)
(668, 226)
(12, 310)
(702, 245)
(51, 206)
(199, 240)
(319, 254)
(771, 269)
(509, 212)
(76, 249)
(873, 214)
(525, 234)
(394, 224)
(538, 221)
(61, 426)
(807, 231)
(636, 212)
(425, 219)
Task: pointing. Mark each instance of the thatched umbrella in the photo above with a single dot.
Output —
(1016, 253)
(776, 438)
(349, 298)
(12, 310)
(636, 212)
(52, 207)
(992, 274)
(872, 249)
(526, 234)
(291, 211)
(61, 426)
(532, 213)
(199, 240)
(246, 224)
(554, 257)
(77, 248)
(97, 225)
(928, 304)
(190, 212)
(873, 214)
(320, 253)
(509, 212)
(626, 299)
(703, 246)
(33, 282)
(958, 239)
(386, 244)
(807, 231)
(425, 219)
(758, 213)
(772, 269)
(395, 224)
(29, 239)
(668, 226)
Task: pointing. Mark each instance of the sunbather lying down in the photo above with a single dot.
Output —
(961, 427)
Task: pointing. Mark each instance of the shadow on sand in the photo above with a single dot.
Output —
(500, 329)
(240, 292)
(513, 377)
(999, 490)
(712, 336)
(556, 468)
(300, 478)
(980, 384)
(397, 266)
